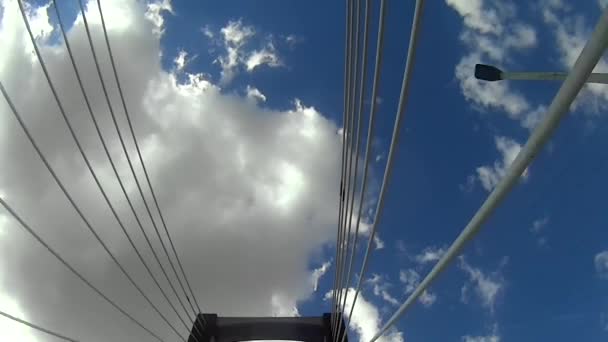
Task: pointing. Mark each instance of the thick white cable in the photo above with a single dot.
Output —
(394, 140)
(560, 105)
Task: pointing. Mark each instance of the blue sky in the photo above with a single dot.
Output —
(549, 288)
(539, 268)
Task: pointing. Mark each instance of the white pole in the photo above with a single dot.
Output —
(585, 63)
(551, 76)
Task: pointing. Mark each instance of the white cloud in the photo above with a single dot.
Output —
(238, 183)
(571, 32)
(601, 264)
(476, 17)
(412, 279)
(380, 288)
(490, 175)
(155, 14)
(317, 273)
(427, 299)
(378, 242)
(234, 37)
(236, 40)
(11, 330)
(235, 33)
(255, 94)
(487, 286)
(366, 320)
(430, 254)
(182, 60)
(493, 33)
(206, 30)
(538, 226)
(266, 56)
(490, 337)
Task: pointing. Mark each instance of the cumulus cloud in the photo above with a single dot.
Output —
(490, 175)
(366, 320)
(493, 33)
(238, 184)
(601, 264)
(487, 286)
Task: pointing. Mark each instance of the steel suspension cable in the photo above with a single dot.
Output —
(24, 225)
(349, 142)
(114, 169)
(586, 61)
(141, 160)
(37, 327)
(345, 120)
(82, 153)
(366, 162)
(394, 140)
(105, 92)
(352, 172)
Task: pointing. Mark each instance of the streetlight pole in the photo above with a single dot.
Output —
(491, 73)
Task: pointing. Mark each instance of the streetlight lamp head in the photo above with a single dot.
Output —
(487, 72)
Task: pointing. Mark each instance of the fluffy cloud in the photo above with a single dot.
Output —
(601, 264)
(490, 175)
(487, 286)
(366, 320)
(493, 33)
(238, 184)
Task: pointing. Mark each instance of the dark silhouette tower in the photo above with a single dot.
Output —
(211, 328)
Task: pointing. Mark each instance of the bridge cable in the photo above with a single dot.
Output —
(37, 327)
(574, 82)
(8, 208)
(79, 146)
(352, 172)
(394, 142)
(141, 160)
(366, 162)
(345, 120)
(105, 92)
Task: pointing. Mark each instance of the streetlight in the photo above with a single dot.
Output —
(491, 73)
